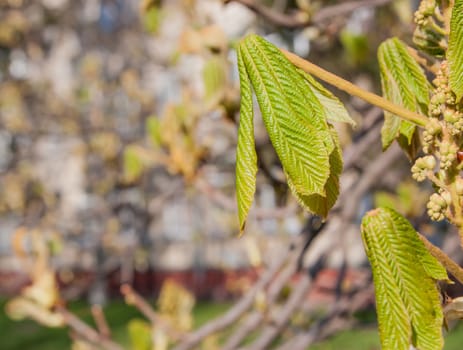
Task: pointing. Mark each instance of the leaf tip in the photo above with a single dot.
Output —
(242, 228)
(373, 213)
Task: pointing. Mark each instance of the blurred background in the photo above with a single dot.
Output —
(118, 128)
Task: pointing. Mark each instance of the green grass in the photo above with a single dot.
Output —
(24, 335)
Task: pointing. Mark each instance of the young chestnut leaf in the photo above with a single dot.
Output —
(246, 158)
(455, 50)
(294, 109)
(405, 276)
(403, 83)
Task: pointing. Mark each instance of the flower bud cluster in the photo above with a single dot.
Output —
(447, 154)
(422, 166)
(454, 120)
(443, 93)
(437, 205)
(433, 129)
(426, 10)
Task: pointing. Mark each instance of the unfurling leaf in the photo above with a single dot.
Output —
(295, 109)
(405, 274)
(316, 203)
(334, 109)
(246, 158)
(403, 83)
(455, 50)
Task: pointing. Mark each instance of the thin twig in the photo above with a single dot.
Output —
(354, 90)
(271, 331)
(298, 21)
(444, 259)
(133, 298)
(255, 319)
(100, 321)
(87, 332)
(245, 303)
(329, 324)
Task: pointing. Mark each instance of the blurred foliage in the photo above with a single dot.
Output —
(408, 199)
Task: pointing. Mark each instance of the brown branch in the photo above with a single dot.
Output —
(254, 319)
(85, 331)
(345, 8)
(370, 176)
(100, 321)
(444, 259)
(271, 331)
(244, 304)
(355, 90)
(332, 322)
(135, 299)
(298, 21)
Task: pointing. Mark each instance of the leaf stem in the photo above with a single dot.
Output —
(450, 265)
(354, 90)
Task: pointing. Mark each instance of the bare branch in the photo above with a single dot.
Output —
(298, 21)
(238, 309)
(133, 298)
(87, 332)
(100, 321)
(254, 319)
(274, 328)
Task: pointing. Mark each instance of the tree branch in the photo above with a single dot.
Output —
(298, 21)
(133, 298)
(87, 332)
(444, 259)
(232, 315)
(354, 90)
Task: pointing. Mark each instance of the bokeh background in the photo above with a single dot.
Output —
(118, 128)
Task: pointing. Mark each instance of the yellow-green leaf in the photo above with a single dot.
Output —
(291, 113)
(295, 109)
(316, 203)
(246, 158)
(334, 108)
(405, 274)
(455, 50)
(403, 83)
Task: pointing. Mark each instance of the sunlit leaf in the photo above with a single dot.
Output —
(455, 50)
(334, 109)
(246, 158)
(292, 115)
(403, 83)
(295, 109)
(405, 274)
(316, 203)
